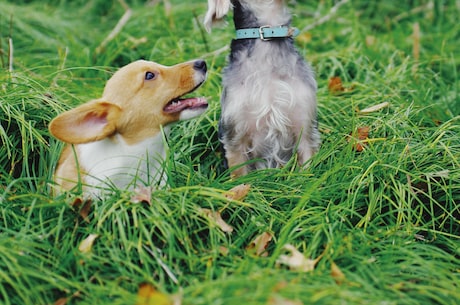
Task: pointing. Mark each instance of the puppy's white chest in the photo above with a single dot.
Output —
(112, 162)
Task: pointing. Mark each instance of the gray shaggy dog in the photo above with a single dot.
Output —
(269, 91)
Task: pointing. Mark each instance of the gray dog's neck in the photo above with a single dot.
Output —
(252, 14)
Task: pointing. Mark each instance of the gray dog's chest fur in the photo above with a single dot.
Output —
(267, 86)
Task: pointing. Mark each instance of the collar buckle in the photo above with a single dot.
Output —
(262, 34)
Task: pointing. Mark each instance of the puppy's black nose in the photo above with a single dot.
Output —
(200, 65)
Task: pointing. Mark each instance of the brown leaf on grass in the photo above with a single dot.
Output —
(337, 274)
(148, 295)
(259, 245)
(83, 207)
(359, 138)
(296, 261)
(142, 194)
(61, 301)
(336, 86)
(217, 218)
(87, 244)
(238, 192)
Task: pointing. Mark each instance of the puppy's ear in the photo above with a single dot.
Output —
(89, 122)
(217, 9)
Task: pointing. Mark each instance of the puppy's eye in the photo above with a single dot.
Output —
(149, 75)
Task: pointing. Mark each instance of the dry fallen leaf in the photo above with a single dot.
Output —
(375, 108)
(217, 218)
(439, 174)
(337, 274)
(61, 301)
(359, 138)
(142, 194)
(148, 295)
(87, 244)
(336, 86)
(259, 244)
(83, 207)
(239, 192)
(296, 261)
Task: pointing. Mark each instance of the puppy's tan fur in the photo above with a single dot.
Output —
(119, 135)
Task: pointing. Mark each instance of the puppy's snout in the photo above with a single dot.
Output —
(200, 65)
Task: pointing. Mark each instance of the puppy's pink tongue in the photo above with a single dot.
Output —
(182, 104)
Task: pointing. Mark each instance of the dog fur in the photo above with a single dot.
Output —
(117, 140)
(268, 101)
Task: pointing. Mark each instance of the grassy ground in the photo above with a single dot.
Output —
(386, 217)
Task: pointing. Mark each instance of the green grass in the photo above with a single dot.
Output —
(388, 217)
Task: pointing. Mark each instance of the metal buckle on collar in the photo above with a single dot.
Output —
(261, 33)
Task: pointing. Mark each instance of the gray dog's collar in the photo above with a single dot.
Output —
(267, 32)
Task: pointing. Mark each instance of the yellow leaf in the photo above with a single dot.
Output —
(399, 286)
(148, 295)
(337, 274)
(87, 244)
(260, 243)
(239, 192)
(296, 261)
(217, 218)
(304, 37)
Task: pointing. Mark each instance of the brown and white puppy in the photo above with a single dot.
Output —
(118, 139)
(269, 92)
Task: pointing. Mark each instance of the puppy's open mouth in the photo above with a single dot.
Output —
(180, 104)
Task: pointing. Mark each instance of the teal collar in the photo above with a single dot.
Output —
(267, 32)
